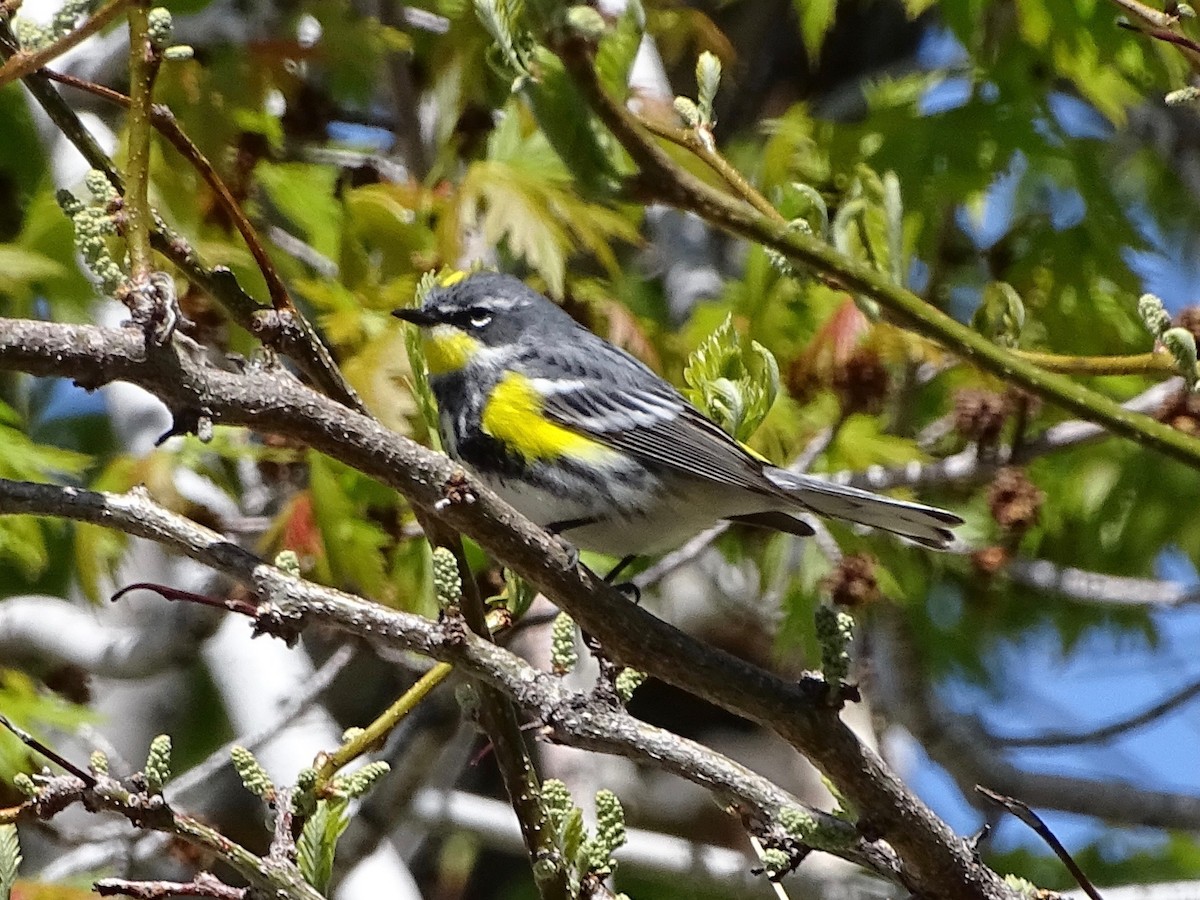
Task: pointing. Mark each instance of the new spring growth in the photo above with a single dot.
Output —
(1154, 315)
(447, 585)
(158, 764)
(25, 785)
(798, 824)
(161, 29)
(93, 223)
(556, 801)
(98, 763)
(32, 36)
(628, 680)
(708, 80)
(254, 777)
(287, 561)
(563, 655)
(835, 630)
(1022, 886)
(586, 22)
(360, 781)
(1181, 344)
(776, 862)
(610, 833)
(1182, 96)
(10, 859)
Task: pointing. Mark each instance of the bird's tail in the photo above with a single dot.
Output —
(926, 525)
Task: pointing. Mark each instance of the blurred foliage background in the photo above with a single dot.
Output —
(1013, 163)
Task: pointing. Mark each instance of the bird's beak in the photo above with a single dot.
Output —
(415, 315)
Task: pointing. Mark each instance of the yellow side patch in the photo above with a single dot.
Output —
(513, 416)
(447, 349)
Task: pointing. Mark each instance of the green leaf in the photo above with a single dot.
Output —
(734, 387)
(34, 710)
(10, 859)
(317, 845)
(522, 196)
(21, 268)
(816, 17)
(304, 193)
(573, 833)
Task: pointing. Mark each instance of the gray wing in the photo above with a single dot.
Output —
(602, 392)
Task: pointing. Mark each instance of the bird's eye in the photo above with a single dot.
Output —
(479, 318)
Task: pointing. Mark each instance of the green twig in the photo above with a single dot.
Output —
(1153, 363)
(164, 121)
(143, 66)
(370, 737)
(499, 719)
(667, 182)
(690, 140)
(288, 331)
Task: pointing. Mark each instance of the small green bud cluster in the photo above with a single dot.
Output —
(798, 824)
(158, 764)
(288, 561)
(361, 780)
(835, 630)
(1179, 342)
(447, 584)
(698, 114)
(25, 785)
(160, 28)
(1154, 315)
(254, 776)
(628, 680)
(563, 655)
(776, 862)
(610, 833)
(32, 36)
(98, 763)
(556, 800)
(93, 224)
(1182, 96)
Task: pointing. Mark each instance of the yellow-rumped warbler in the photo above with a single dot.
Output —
(589, 443)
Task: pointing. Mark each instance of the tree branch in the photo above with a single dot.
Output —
(661, 178)
(936, 861)
(571, 718)
(963, 748)
(23, 63)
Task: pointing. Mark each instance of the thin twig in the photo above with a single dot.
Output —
(22, 63)
(372, 736)
(1104, 732)
(1153, 363)
(500, 722)
(203, 885)
(164, 121)
(689, 139)
(143, 66)
(661, 179)
(54, 756)
(1030, 818)
(290, 333)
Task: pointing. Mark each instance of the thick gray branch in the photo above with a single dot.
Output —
(937, 863)
(570, 717)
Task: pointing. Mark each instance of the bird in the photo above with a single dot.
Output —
(592, 445)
